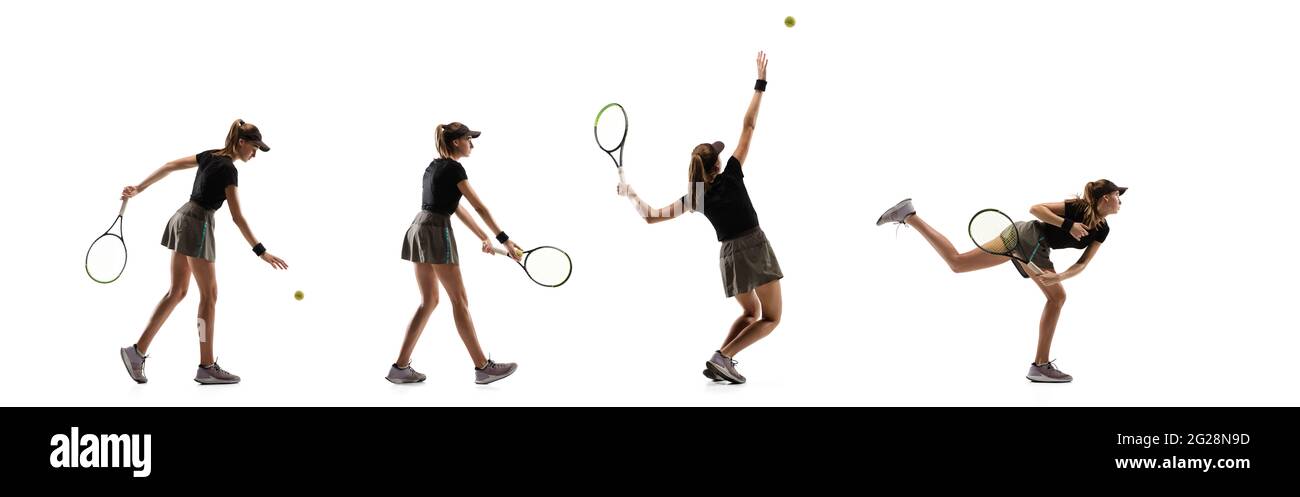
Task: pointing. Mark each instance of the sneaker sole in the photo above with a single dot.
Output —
(709, 374)
(126, 361)
(403, 382)
(215, 382)
(502, 377)
(1044, 379)
(722, 373)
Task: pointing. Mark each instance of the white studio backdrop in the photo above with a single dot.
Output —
(959, 105)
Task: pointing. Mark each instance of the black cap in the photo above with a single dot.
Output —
(717, 148)
(251, 134)
(455, 131)
(1105, 187)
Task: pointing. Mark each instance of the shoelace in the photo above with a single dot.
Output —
(138, 367)
(216, 368)
(898, 228)
(1049, 365)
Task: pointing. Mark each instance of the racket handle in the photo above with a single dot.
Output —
(1035, 268)
(123, 209)
(502, 251)
(620, 176)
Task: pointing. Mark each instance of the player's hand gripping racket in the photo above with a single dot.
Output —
(547, 266)
(611, 133)
(995, 233)
(106, 258)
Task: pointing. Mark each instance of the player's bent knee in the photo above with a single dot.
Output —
(177, 295)
(1056, 298)
(773, 319)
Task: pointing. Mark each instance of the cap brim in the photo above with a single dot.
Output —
(261, 145)
(474, 134)
(717, 147)
(1121, 189)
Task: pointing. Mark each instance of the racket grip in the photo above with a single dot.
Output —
(620, 176)
(1035, 268)
(502, 251)
(123, 209)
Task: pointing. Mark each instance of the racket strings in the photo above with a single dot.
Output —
(1010, 239)
(611, 129)
(550, 267)
(106, 259)
(993, 232)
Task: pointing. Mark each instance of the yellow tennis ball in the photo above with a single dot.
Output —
(297, 295)
(789, 21)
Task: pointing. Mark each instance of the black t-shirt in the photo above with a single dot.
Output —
(441, 193)
(1058, 238)
(215, 173)
(727, 204)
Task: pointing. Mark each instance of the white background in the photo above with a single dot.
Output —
(960, 105)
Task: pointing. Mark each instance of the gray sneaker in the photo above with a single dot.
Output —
(1047, 373)
(897, 213)
(493, 372)
(134, 362)
(724, 367)
(407, 374)
(214, 375)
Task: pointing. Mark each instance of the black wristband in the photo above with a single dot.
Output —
(259, 250)
(760, 85)
(502, 237)
(1066, 225)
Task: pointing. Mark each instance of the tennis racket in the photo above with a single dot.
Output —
(611, 135)
(995, 233)
(547, 266)
(106, 258)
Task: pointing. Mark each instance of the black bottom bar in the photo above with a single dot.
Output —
(929, 445)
